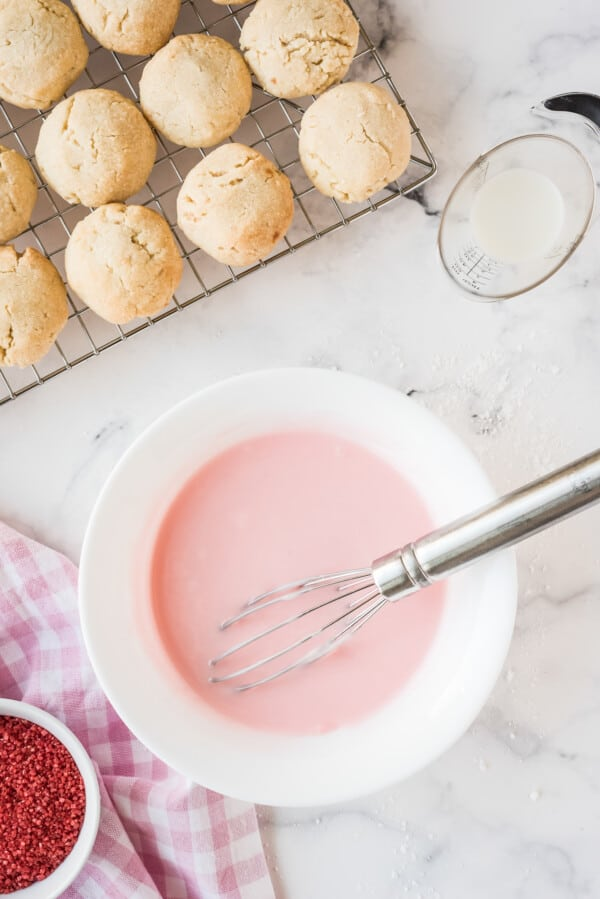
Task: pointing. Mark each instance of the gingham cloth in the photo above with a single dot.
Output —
(160, 834)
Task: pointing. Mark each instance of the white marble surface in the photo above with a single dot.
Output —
(513, 810)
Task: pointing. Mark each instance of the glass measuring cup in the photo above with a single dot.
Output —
(489, 278)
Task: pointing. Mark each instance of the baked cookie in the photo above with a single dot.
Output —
(123, 262)
(196, 90)
(137, 27)
(43, 54)
(33, 306)
(354, 140)
(295, 49)
(18, 193)
(96, 147)
(235, 205)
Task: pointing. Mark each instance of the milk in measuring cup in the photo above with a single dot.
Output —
(517, 215)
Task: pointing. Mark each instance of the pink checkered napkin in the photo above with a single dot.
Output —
(160, 834)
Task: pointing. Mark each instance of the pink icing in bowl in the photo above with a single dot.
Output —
(405, 717)
(269, 511)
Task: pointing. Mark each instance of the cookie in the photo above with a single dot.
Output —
(42, 52)
(123, 262)
(235, 205)
(196, 90)
(354, 140)
(137, 27)
(18, 193)
(33, 306)
(299, 48)
(96, 147)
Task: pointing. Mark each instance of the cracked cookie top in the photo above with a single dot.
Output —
(137, 27)
(354, 140)
(33, 306)
(235, 204)
(96, 147)
(196, 90)
(42, 51)
(299, 47)
(18, 193)
(123, 262)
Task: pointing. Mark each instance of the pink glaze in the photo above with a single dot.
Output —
(268, 511)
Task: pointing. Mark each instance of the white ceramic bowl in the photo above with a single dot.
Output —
(57, 882)
(444, 695)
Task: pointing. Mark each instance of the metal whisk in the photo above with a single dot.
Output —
(355, 596)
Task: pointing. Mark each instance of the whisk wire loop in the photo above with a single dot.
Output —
(354, 588)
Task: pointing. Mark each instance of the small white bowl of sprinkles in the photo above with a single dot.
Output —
(50, 801)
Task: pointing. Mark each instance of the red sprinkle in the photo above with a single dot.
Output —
(42, 803)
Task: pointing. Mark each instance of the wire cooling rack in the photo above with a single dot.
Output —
(271, 127)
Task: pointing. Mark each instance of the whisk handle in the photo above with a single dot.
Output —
(500, 524)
